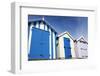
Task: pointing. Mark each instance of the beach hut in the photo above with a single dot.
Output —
(81, 48)
(65, 46)
(41, 40)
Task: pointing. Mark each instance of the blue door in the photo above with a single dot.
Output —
(67, 48)
(39, 48)
(45, 44)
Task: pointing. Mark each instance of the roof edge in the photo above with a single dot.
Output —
(66, 32)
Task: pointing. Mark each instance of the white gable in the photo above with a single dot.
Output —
(66, 34)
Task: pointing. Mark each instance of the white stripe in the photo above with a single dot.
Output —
(37, 25)
(30, 35)
(50, 43)
(61, 48)
(46, 28)
(42, 26)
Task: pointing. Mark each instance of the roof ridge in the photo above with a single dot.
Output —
(66, 32)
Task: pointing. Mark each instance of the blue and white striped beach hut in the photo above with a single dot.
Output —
(41, 40)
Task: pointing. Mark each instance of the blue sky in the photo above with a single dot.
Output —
(76, 26)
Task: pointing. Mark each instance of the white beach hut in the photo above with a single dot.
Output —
(65, 46)
(81, 48)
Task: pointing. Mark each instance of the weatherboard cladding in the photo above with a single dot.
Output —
(81, 48)
(43, 25)
(61, 49)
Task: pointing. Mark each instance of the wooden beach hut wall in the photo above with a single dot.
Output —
(65, 46)
(81, 48)
(41, 40)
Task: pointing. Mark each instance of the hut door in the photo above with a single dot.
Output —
(67, 48)
(39, 48)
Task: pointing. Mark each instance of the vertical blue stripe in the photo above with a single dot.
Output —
(55, 45)
(47, 28)
(44, 26)
(28, 30)
(51, 44)
(34, 24)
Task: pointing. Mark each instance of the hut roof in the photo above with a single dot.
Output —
(82, 39)
(44, 21)
(67, 34)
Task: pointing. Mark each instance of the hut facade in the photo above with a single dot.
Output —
(41, 40)
(65, 46)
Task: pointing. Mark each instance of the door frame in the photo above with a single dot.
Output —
(69, 46)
